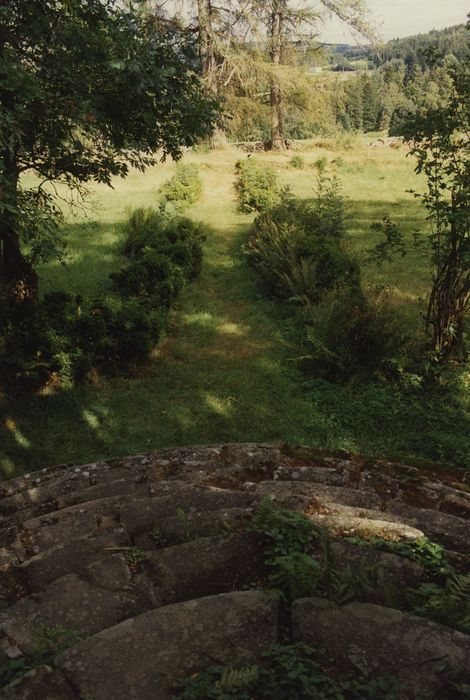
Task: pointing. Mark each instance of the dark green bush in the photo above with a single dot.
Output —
(185, 187)
(117, 332)
(297, 247)
(175, 237)
(348, 334)
(38, 340)
(150, 275)
(65, 336)
(257, 185)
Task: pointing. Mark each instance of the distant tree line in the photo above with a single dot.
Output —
(272, 97)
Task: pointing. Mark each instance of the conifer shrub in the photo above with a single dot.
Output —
(64, 336)
(185, 187)
(298, 250)
(348, 334)
(257, 185)
(173, 236)
(297, 246)
(118, 332)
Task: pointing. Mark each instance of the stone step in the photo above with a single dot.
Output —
(101, 595)
(145, 557)
(143, 657)
(375, 639)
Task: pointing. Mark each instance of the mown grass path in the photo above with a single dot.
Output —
(222, 374)
(226, 371)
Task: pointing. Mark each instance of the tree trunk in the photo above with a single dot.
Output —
(207, 53)
(18, 280)
(278, 142)
(450, 297)
(206, 44)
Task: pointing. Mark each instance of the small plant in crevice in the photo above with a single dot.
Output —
(285, 672)
(459, 691)
(301, 562)
(134, 558)
(430, 555)
(448, 604)
(49, 642)
(187, 534)
(444, 595)
(289, 538)
(157, 537)
(223, 529)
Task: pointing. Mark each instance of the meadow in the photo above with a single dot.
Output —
(227, 368)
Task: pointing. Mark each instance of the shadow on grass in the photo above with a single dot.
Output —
(226, 372)
(92, 254)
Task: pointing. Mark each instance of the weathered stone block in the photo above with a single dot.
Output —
(143, 657)
(378, 640)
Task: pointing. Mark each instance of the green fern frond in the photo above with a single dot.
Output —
(263, 515)
(238, 677)
(459, 587)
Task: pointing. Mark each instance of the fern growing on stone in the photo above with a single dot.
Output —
(448, 604)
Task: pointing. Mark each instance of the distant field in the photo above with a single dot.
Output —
(226, 371)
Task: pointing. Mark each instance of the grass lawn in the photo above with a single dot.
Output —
(227, 371)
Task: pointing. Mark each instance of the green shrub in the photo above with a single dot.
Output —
(297, 162)
(297, 246)
(185, 187)
(346, 334)
(257, 185)
(320, 164)
(164, 252)
(150, 275)
(64, 336)
(38, 340)
(116, 332)
(176, 237)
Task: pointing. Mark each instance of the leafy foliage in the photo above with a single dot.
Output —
(88, 88)
(301, 562)
(448, 604)
(391, 245)
(445, 596)
(50, 641)
(430, 555)
(440, 143)
(287, 672)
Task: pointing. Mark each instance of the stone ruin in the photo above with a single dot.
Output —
(149, 560)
